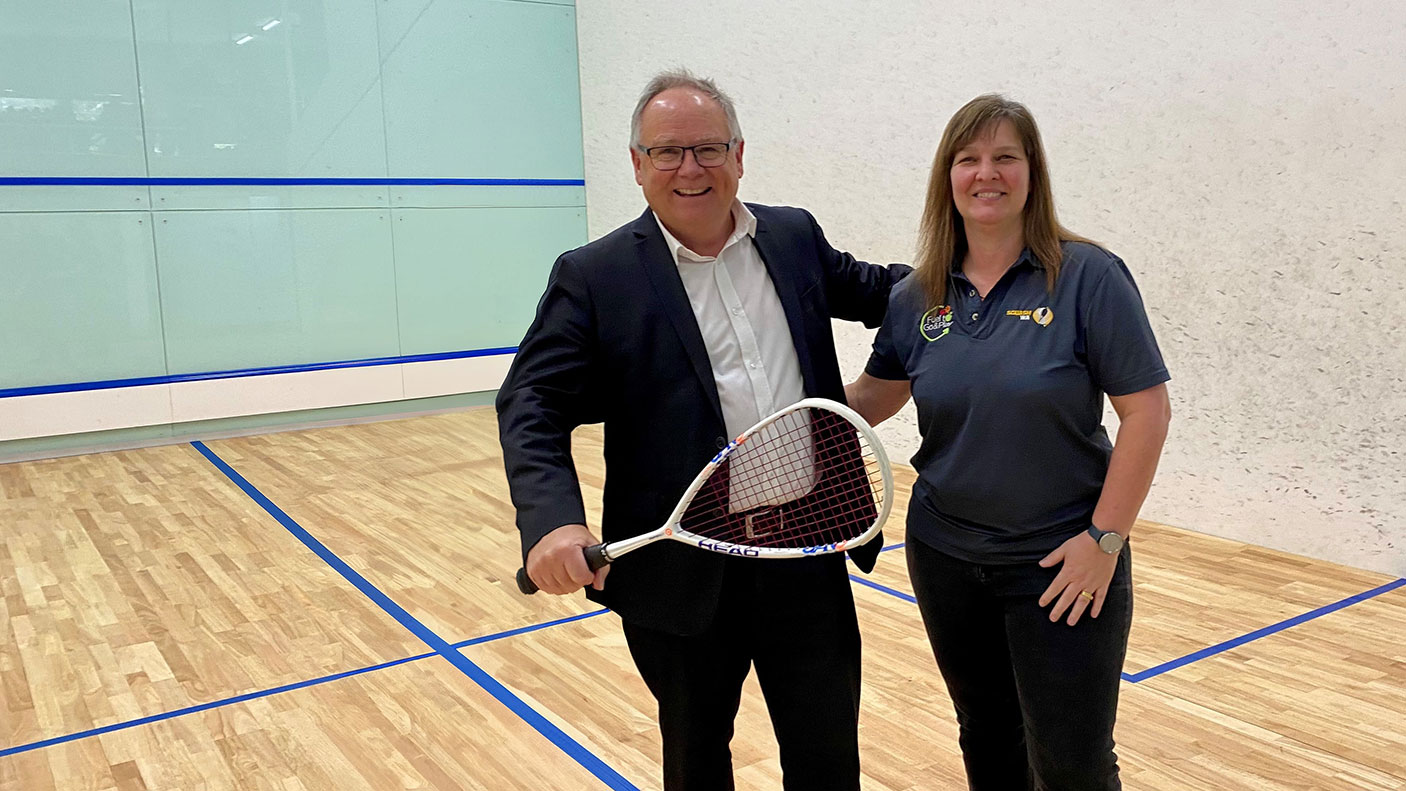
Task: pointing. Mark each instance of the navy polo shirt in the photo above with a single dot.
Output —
(1009, 391)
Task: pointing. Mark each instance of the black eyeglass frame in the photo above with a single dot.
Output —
(683, 151)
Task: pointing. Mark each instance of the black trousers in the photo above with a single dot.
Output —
(794, 620)
(1035, 700)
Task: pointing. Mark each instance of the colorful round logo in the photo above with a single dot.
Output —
(936, 323)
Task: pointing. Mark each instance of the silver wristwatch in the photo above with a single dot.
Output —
(1110, 542)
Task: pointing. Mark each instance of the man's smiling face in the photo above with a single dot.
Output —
(693, 202)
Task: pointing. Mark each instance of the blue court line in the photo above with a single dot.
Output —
(876, 586)
(564, 742)
(214, 704)
(531, 628)
(1157, 670)
(116, 181)
(1266, 631)
(166, 715)
(142, 381)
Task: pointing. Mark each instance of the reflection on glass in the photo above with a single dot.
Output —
(87, 109)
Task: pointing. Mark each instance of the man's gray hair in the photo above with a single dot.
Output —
(683, 78)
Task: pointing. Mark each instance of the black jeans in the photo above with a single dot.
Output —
(793, 619)
(1035, 700)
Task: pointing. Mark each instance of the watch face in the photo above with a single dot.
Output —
(1110, 543)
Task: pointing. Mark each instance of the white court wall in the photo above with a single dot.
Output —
(1245, 158)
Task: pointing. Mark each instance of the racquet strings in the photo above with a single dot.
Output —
(809, 478)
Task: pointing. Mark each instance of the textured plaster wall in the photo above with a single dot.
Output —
(1247, 160)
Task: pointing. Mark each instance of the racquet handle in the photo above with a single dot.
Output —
(596, 559)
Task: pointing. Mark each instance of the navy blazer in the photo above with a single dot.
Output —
(615, 341)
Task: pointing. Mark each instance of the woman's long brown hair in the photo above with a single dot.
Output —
(942, 238)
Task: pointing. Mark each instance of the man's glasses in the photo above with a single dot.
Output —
(708, 155)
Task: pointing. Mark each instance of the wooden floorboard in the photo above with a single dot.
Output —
(142, 582)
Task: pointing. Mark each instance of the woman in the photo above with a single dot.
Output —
(1008, 338)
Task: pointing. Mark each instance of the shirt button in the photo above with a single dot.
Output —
(721, 442)
(737, 311)
(976, 316)
(751, 365)
(971, 292)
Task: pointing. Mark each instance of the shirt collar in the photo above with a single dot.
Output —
(744, 224)
(1027, 259)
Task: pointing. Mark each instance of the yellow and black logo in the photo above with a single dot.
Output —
(1042, 316)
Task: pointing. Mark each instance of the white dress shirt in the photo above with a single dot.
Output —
(745, 331)
(743, 325)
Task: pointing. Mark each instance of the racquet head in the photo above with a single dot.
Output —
(809, 479)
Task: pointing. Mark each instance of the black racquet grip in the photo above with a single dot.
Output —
(596, 559)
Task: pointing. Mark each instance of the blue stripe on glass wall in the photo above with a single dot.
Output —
(74, 387)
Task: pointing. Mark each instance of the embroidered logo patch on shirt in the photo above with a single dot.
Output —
(936, 323)
(1042, 316)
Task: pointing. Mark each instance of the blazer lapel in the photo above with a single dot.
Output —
(658, 264)
(783, 271)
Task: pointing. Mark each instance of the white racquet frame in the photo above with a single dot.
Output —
(603, 554)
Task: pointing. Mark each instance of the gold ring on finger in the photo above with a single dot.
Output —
(1086, 595)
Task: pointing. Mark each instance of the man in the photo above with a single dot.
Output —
(678, 331)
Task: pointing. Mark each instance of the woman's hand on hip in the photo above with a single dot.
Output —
(1082, 582)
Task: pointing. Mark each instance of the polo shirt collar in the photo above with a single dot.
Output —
(1027, 259)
